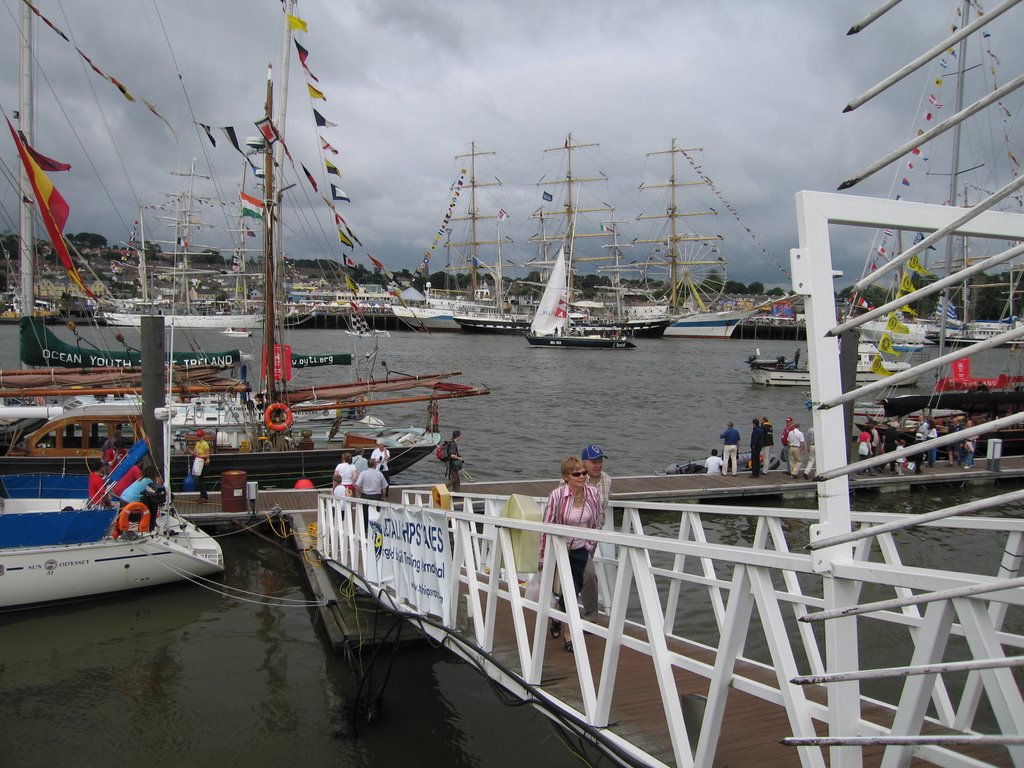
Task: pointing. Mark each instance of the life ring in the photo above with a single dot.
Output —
(134, 514)
(278, 417)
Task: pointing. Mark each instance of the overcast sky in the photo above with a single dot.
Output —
(758, 85)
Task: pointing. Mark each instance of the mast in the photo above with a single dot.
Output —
(672, 214)
(474, 217)
(270, 212)
(25, 115)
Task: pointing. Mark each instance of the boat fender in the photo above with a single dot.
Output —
(133, 518)
(278, 417)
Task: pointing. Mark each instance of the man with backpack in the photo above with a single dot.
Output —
(448, 452)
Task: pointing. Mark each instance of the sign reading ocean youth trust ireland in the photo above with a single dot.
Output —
(410, 551)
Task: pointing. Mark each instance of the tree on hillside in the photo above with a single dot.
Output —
(88, 240)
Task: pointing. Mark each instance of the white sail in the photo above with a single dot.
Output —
(553, 311)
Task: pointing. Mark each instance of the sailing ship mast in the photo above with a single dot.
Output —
(25, 115)
(473, 217)
(673, 214)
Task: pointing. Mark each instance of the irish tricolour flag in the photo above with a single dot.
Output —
(251, 206)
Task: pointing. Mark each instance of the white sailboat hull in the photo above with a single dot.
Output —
(40, 575)
(707, 325)
(188, 322)
(426, 318)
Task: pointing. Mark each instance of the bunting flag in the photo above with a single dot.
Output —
(252, 206)
(309, 176)
(893, 324)
(326, 145)
(502, 215)
(914, 264)
(381, 267)
(349, 262)
(332, 168)
(53, 209)
(878, 367)
(885, 346)
(209, 133)
(294, 22)
(351, 284)
(456, 191)
(303, 55)
(315, 93)
(547, 197)
(344, 239)
(267, 130)
(45, 163)
(338, 194)
(906, 285)
(323, 122)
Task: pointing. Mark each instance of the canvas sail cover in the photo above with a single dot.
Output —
(553, 311)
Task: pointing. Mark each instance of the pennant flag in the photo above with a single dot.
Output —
(878, 367)
(351, 284)
(252, 206)
(502, 215)
(906, 285)
(315, 93)
(914, 264)
(547, 197)
(344, 239)
(894, 325)
(905, 182)
(349, 262)
(294, 22)
(323, 122)
(309, 176)
(885, 346)
(267, 129)
(303, 53)
(381, 267)
(249, 233)
(338, 194)
(326, 145)
(53, 209)
(209, 133)
(332, 168)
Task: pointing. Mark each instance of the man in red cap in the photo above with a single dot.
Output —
(200, 461)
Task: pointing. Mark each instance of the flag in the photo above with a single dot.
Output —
(326, 145)
(878, 367)
(332, 168)
(547, 197)
(345, 239)
(323, 122)
(380, 266)
(905, 182)
(309, 176)
(53, 209)
(45, 163)
(338, 194)
(294, 22)
(303, 53)
(267, 129)
(885, 346)
(914, 264)
(906, 284)
(351, 284)
(249, 232)
(209, 133)
(502, 215)
(315, 93)
(252, 206)
(894, 325)
(349, 262)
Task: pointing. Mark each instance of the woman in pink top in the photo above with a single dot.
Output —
(572, 503)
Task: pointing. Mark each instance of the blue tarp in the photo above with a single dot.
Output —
(41, 486)
(44, 529)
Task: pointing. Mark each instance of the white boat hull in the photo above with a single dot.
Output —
(193, 322)
(40, 575)
(802, 377)
(707, 325)
(427, 319)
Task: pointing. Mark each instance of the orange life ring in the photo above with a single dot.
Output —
(278, 417)
(136, 513)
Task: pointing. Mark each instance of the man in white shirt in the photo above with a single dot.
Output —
(713, 463)
(797, 445)
(382, 454)
(371, 484)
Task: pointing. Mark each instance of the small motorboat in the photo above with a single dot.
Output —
(242, 333)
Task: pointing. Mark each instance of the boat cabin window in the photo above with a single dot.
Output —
(73, 435)
(49, 440)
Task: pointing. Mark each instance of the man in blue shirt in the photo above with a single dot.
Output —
(731, 439)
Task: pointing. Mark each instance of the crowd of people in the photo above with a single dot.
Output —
(797, 455)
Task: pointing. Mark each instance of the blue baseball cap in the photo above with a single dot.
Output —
(592, 453)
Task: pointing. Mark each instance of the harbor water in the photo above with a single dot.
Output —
(236, 672)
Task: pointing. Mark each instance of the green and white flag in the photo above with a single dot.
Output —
(252, 207)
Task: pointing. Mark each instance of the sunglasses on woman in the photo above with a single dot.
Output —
(581, 473)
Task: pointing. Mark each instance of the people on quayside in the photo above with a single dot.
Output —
(371, 484)
(453, 463)
(200, 463)
(784, 443)
(382, 456)
(593, 457)
(730, 451)
(713, 463)
(797, 444)
(345, 475)
(575, 503)
(769, 443)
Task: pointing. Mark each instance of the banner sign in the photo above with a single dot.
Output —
(409, 549)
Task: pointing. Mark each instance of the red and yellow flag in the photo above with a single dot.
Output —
(53, 209)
